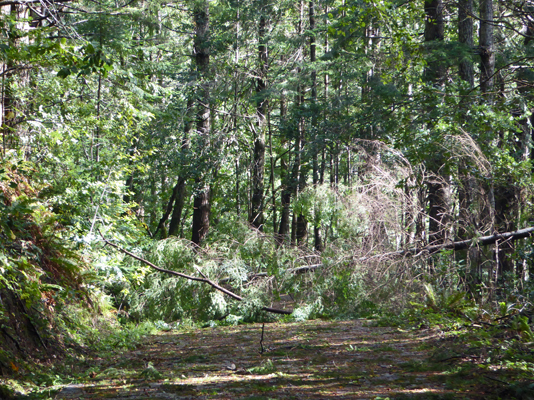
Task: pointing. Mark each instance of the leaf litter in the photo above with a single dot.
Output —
(305, 360)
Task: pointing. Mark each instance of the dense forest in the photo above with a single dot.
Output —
(232, 161)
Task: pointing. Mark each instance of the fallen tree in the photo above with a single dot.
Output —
(431, 249)
(460, 245)
(204, 278)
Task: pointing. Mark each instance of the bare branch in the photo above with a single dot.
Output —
(461, 245)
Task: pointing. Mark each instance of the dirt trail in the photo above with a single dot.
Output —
(306, 360)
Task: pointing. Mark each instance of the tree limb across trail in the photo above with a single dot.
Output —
(204, 278)
(455, 246)
(461, 245)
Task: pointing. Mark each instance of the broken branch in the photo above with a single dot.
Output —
(190, 277)
(460, 245)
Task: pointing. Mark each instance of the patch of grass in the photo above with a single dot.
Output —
(417, 366)
(429, 396)
(262, 387)
(385, 348)
(279, 353)
(302, 346)
(196, 358)
(350, 347)
(265, 368)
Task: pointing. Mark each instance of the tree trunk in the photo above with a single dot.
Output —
(438, 201)
(466, 71)
(285, 177)
(201, 206)
(299, 233)
(181, 186)
(465, 36)
(262, 104)
(487, 52)
(468, 188)
(317, 236)
(179, 202)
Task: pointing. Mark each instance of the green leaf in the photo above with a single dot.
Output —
(63, 73)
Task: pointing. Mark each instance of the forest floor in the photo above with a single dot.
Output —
(305, 360)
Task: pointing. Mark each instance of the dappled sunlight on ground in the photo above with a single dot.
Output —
(306, 360)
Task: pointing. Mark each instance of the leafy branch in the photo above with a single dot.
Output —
(204, 278)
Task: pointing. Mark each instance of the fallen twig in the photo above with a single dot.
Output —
(261, 339)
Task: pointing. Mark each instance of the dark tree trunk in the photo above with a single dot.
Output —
(438, 201)
(258, 163)
(201, 206)
(285, 177)
(317, 236)
(179, 202)
(434, 32)
(466, 70)
(487, 52)
(201, 215)
(181, 186)
(468, 188)
(299, 234)
(465, 36)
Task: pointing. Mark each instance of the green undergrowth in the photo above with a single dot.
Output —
(95, 335)
(488, 344)
(51, 313)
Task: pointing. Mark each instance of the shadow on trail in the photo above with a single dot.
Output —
(308, 360)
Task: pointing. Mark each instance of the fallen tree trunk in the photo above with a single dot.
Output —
(204, 279)
(461, 245)
(455, 246)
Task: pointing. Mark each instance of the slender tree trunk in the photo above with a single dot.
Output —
(487, 52)
(234, 117)
(504, 194)
(272, 176)
(179, 202)
(465, 36)
(285, 177)
(466, 71)
(301, 226)
(201, 203)
(317, 236)
(468, 188)
(262, 105)
(180, 189)
(438, 201)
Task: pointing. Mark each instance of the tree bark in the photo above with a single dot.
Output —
(487, 52)
(181, 186)
(465, 36)
(438, 201)
(201, 206)
(258, 162)
(285, 177)
(317, 234)
(300, 175)
(177, 210)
